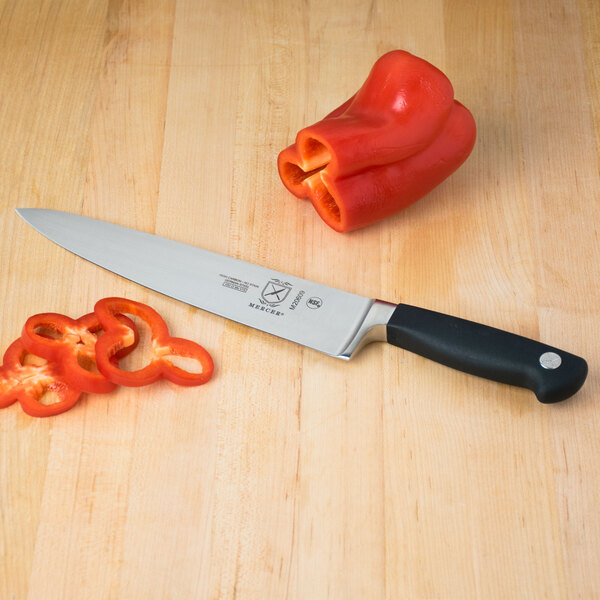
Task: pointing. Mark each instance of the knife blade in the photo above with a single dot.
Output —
(318, 316)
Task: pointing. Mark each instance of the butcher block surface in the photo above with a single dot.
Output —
(291, 474)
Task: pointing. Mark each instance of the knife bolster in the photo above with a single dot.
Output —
(372, 328)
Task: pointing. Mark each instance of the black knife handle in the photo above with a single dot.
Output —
(552, 374)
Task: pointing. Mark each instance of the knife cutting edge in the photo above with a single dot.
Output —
(326, 319)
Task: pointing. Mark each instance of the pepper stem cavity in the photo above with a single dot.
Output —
(310, 169)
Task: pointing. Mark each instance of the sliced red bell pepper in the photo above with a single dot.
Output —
(28, 383)
(72, 343)
(387, 146)
(70, 349)
(118, 336)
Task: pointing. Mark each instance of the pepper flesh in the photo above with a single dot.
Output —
(386, 147)
(114, 340)
(28, 383)
(72, 343)
(56, 355)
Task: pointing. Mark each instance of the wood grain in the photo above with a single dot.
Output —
(294, 475)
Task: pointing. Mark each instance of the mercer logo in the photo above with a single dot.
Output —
(275, 292)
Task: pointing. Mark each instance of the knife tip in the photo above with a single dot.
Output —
(27, 214)
(24, 212)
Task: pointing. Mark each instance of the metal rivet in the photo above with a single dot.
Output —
(550, 360)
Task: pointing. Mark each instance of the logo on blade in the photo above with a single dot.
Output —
(275, 292)
(314, 302)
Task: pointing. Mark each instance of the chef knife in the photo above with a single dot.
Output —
(332, 321)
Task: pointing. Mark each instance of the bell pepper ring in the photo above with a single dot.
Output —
(72, 344)
(390, 144)
(28, 383)
(118, 336)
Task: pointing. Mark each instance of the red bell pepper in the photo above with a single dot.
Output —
(68, 350)
(387, 146)
(72, 343)
(28, 383)
(118, 336)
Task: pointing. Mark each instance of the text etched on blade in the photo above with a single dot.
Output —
(234, 283)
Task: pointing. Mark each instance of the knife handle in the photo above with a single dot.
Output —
(552, 374)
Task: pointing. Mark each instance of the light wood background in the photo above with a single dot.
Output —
(291, 474)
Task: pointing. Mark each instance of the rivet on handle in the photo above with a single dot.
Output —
(550, 360)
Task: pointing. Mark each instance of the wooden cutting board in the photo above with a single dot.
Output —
(294, 475)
